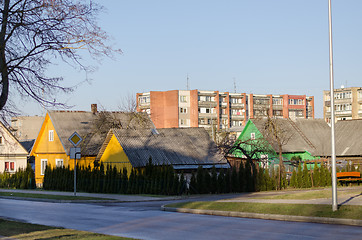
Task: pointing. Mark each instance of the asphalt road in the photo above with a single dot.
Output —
(144, 220)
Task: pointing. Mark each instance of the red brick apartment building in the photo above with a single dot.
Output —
(224, 110)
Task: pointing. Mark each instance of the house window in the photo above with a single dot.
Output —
(51, 135)
(252, 136)
(264, 161)
(183, 99)
(183, 110)
(9, 166)
(59, 162)
(43, 165)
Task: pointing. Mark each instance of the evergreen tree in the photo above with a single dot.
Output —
(306, 177)
(316, 175)
(200, 180)
(299, 176)
(193, 184)
(228, 181)
(124, 184)
(234, 180)
(293, 179)
(207, 181)
(221, 181)
(242, 178)
(213, 181)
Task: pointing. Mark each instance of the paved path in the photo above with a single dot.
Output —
(139, 221)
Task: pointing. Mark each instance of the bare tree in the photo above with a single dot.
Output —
(252, 149)
(278, 135)
(35, 32)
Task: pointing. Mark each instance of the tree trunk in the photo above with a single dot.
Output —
(3, 66)
(281, 165)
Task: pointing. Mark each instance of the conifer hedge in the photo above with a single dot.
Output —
(21, 179)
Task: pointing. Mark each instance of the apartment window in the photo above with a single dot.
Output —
(43, 166)
(296, 101)
(183, 99)
(209, 121)
(236, 111)
(252, 136)
(183, 110)
(277, 113)
(1, 140)
(59, 162)
(206, 110)
(51, 135)
(277, 101)
(342, 95)
(9, 166)
(144, 99)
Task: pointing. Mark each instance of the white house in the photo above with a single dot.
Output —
(12, 154)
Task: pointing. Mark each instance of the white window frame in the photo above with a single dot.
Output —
(51, 136)
(43, 166)
(183, 98)
(59, 162)
(252, 136)
(183, 110)
(10, 170)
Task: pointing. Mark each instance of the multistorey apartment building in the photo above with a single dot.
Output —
(223, 110)
(347, 102)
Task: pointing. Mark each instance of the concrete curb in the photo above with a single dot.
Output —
(351, 222)
(84, 201)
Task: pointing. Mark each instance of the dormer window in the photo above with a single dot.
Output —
(51, 135)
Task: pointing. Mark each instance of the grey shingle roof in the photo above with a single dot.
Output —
(182, 147)
(349, 138)
(93, 128)
(303, 134)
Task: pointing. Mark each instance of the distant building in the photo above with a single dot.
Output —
(223, 110)
(26, 127)
(347, 101)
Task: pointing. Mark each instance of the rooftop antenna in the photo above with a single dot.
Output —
(187, 82)
(234, 85)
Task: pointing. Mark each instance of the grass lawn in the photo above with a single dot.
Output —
(48, 196)
(29, 231)
(312, 210)
(313, 194)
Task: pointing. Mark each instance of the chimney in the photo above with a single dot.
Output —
(94, 108)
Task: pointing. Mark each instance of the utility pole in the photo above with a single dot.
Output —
(333, 147)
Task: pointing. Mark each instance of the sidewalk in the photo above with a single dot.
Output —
(113, 197)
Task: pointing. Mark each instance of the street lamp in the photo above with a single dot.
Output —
(333, 147)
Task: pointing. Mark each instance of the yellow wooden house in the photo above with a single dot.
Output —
(51, 147)
(183, 148)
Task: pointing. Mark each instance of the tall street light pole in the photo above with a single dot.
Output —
(333, 147)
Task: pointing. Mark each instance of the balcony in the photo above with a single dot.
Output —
(277, 107)
(237, 105)
(237, 117)
(208, 115)
(207, 104)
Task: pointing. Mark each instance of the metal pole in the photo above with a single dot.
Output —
(75, 176)
(333, 147)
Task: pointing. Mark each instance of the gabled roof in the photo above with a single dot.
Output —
(93, 128)
(181, 147)
(10, 145)
(349, 138)
(304, 134)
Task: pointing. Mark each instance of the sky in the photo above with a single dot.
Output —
(265, 47)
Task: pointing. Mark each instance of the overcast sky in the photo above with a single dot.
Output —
(267, 47)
